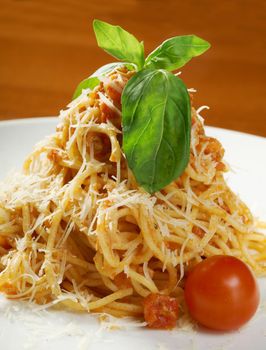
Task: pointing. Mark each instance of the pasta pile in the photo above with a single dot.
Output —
(76, 229)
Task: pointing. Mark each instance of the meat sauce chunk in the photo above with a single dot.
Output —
(160, 311)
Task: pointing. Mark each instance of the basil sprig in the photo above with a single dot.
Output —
(119, 43)
(107, 68)
(88, 83)
(94, 80)
(174, 53)
(156, 127)
(156, 111)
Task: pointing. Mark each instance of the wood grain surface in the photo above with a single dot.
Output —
(48, 46)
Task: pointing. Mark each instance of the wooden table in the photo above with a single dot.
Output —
(48, 46)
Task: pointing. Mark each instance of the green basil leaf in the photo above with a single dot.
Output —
(156, 120)
(119, 43)
(107, 68)
(176, 52)
(90, 82)
(94, 80)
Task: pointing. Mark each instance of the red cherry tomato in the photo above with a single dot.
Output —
(221, 293)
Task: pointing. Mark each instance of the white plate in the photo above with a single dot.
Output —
(22, 328)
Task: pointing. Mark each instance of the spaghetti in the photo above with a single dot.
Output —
(76, 229)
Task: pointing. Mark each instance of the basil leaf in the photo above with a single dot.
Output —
(176, 52)
(156, 121)
(90, 82)
(107, 68)
(94, 80)
(119, 43)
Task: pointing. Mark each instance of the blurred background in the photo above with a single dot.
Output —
(48, 46)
